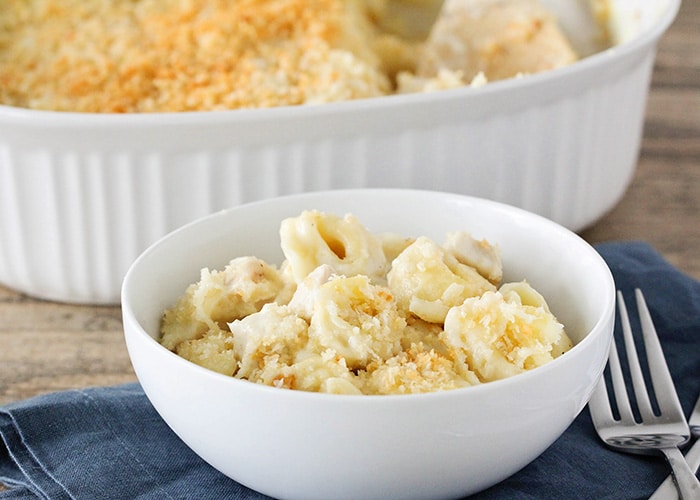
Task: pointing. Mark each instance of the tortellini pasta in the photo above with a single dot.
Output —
(356, 319)
(316, 238)
(353, 312)
(498, 336)
(428, 280)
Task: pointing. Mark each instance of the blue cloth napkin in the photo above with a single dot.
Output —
(109, 443)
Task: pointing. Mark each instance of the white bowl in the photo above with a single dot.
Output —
(293, 444)
(82, 194)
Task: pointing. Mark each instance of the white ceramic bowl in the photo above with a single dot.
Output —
(81, 195)
(293, 444)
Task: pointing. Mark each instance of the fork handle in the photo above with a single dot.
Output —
(688, 485)
(667, 490)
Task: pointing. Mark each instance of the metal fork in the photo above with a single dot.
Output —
(667, 490)
(654, 433)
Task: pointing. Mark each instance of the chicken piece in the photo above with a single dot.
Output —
(479, 254)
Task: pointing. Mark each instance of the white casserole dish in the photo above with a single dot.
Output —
(82, 194)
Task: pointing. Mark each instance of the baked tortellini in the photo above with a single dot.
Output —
(428, 280)
(353, 312)
(316, 238)
(497, 335)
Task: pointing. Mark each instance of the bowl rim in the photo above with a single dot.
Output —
(138, 332)
(591, 63)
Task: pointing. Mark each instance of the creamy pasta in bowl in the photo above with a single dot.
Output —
(351, 312)
(396, 318)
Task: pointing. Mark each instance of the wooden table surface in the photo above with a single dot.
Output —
(48, 347)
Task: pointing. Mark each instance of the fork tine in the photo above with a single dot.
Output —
(618, 381)
(640, 388)
(661, 380)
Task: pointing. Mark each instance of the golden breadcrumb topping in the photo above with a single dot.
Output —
(181, 55)
(132, 56)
